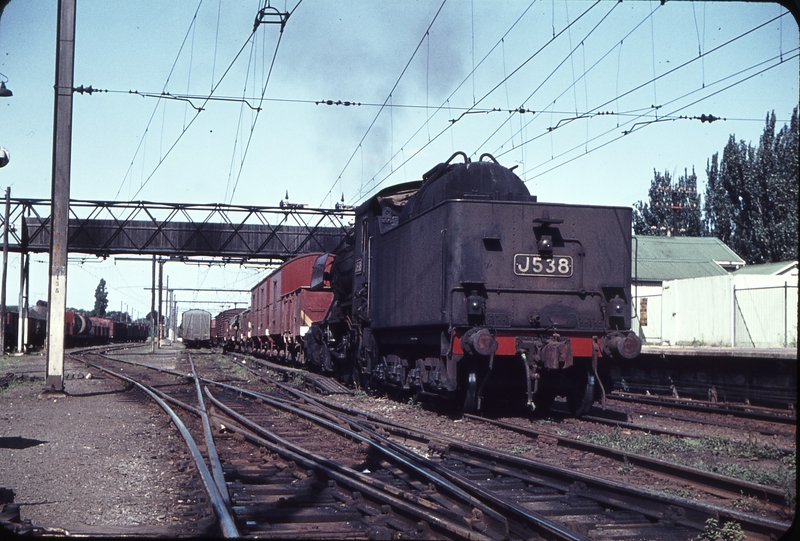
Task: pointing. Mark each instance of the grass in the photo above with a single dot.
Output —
(664, 446)
(680, 492)
(10, 386)
(780, 471)
(731, 531)
(626, 467)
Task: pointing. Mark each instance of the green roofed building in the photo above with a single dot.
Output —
(782, 268)
(656, 259)
(696, 291)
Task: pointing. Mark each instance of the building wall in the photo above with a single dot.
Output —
(646, 319)
(729, 310)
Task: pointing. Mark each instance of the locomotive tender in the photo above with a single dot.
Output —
(464, 286)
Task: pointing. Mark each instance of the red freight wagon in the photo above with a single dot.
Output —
(101, 330)
(225, 327)
(283, 308)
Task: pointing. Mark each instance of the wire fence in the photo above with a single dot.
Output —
(765, 316)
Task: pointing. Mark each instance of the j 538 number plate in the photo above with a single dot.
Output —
(559, 266)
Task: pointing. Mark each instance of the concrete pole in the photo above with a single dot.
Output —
(153, 332)
(166, 311)
(160, 289)
(23, 302)
(59, 223)
(5, 272)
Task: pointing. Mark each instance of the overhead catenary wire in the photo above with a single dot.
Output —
(498, 85)
(197, 109)
(662, 118)
(594, 110)
(388, 97)
(169, 75)
(446, 104)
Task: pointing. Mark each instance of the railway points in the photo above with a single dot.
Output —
(337, 496)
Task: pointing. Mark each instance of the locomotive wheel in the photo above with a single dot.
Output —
(581, 397)
(471, 399)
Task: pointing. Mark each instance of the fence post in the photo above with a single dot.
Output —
(733, 318)
(786, 314)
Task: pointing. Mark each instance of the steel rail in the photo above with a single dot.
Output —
(527, 517)
(727, 487)
(724, 408)
(335, 426)
(226, 521)
(756, 523)
(211, 448)
(351, 478)
(633, 494)
(333, 423)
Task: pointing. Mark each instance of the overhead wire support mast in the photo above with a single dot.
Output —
(270, 15)
(62, 145)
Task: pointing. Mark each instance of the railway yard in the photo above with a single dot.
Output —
(297, 455)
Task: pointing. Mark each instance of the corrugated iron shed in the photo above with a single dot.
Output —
(787, 268)
(656, 259)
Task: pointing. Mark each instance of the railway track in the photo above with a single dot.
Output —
(742, 410)
(294, 492)
(290, 466)
(648, 419)
(641, 522)
(711, 483)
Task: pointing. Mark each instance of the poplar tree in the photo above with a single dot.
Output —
(752, 194)
(100, 299)
(672, 209)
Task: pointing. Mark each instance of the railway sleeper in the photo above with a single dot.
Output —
(306, 514)
(344, 530)
(641, 531)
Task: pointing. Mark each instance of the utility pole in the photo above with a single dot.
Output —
(5, 270)
(160, 287)
(153, 309)
(59, 219)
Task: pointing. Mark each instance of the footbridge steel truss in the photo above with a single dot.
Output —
(240, 233)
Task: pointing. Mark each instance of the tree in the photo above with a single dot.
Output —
(673, 209)
(752, 195)
(100, 299)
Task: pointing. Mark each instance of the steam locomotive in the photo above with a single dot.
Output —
(463, 286)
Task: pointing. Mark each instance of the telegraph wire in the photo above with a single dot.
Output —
(583, 76)
(669, 72)
(471, 109)
(169, 75)
(374, 120)
(668, 117)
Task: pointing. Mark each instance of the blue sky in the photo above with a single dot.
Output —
(414, 67)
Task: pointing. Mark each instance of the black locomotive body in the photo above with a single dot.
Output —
(464, 286)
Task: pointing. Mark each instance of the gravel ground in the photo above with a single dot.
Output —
(94, 460)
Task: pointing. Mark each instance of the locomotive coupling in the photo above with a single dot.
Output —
(621, 345)
(479, 341)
